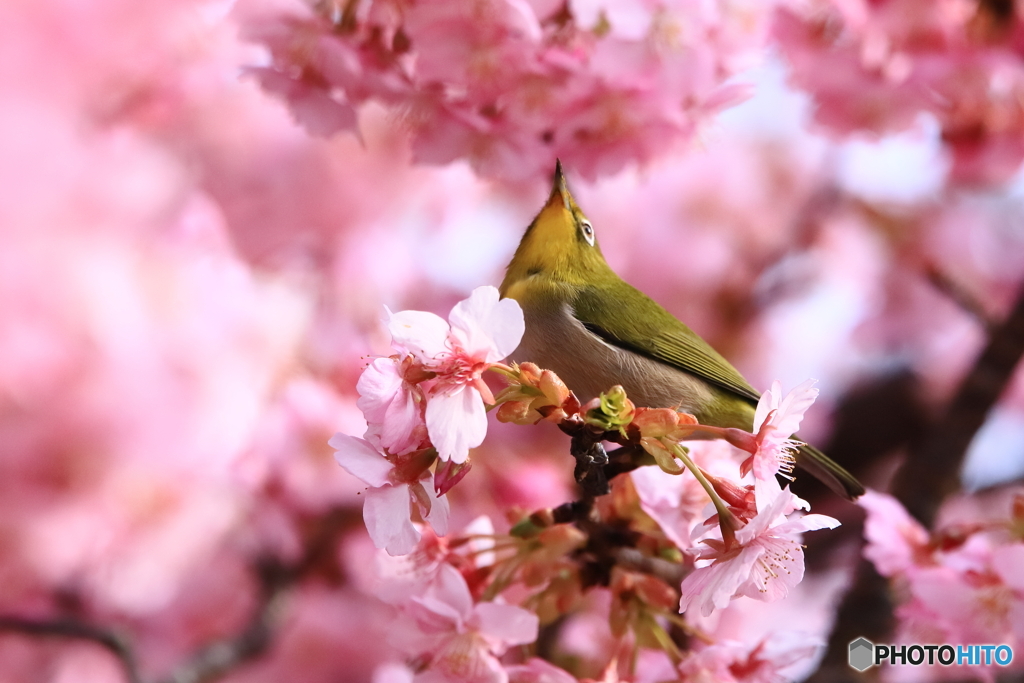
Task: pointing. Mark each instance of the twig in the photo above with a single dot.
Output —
(671, 573)
(217, 658)
(72, 628)
(591, 459)
(275, 579)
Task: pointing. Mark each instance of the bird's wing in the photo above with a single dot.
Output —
(644, 327)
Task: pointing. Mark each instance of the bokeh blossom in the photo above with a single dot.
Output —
(960, 584)
(732, 662)
(512, 85)
(459, 637)
(879, 66)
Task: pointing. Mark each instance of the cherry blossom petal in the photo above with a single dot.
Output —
(400, 430)
(449, 596)
(793, 406)
(768, 515)
(389, 406)
(808, 523)
(377, 386)
(669, 499)
(456, 422)
(488, 327)
(386, 515)
(768, 402)
(505, 624)
(779, 567)
(895, 540)
(423, 334)
(437, 518)
(361, 459)
(712, 587)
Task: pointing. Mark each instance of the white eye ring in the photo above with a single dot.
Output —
(588, 231)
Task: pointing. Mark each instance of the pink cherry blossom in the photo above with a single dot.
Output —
(895, 540)
(775, 420)
(732, 662)
(458, 638)
(537, 670)
(967, 607)
(510, 85)
(879, 65)
(187, 278)
(482, 331)
(396, 484)
(392, 406)
(765, 563)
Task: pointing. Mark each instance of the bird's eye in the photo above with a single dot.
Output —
(588, 232)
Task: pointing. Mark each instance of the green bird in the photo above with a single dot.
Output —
(594, 330)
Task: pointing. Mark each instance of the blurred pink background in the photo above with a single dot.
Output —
(191, 282)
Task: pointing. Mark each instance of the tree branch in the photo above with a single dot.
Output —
(217, 658)
(932, 469)
(214, 660)
(78, 630)
(959, 295)
(275, 580)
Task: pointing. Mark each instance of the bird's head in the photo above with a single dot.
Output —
(560, 245)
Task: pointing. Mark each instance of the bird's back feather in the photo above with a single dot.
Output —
(644, 327)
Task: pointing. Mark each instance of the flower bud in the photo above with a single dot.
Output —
(613, 410)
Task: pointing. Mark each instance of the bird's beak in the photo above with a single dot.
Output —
(559, 190)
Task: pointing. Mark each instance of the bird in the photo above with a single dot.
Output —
(595, 331)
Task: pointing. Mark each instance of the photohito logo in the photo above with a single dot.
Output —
(864, 654)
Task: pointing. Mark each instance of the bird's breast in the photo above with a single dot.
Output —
(556, 340)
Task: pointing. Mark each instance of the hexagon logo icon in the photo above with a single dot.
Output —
(862, 654)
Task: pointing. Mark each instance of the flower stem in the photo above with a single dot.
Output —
(503, 369)
(726, 520)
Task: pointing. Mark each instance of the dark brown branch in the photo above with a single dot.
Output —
(932, 469)
(959, 295)
(671, 573)
(72, 628)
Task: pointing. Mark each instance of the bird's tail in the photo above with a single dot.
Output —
(828, 472)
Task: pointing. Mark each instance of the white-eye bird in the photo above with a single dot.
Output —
(594, 331)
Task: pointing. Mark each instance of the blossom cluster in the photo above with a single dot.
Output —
(510, 85)
(425, 406)
(876, 66)
(423, 403)
(443, 626)
(960, 584)
(453, 625)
